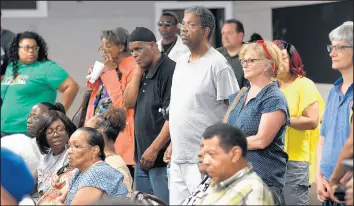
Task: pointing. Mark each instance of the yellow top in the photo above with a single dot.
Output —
(300, 144)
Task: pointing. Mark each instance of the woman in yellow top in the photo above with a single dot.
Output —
(304, 101)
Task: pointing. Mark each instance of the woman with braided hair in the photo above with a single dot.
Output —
(31, 78)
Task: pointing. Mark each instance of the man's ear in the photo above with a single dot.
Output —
(206, 31)
(236, 153)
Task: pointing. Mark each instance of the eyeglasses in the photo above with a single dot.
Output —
(68, 146)
(337, 47)
(27, 48)
(165, 23)
(187, 26)
(248, 61)
(59, 130)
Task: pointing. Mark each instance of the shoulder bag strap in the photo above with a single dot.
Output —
(234, 103)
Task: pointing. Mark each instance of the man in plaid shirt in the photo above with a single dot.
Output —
(233, 182)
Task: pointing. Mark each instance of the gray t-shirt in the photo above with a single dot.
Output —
(197, 101)
(48, 168)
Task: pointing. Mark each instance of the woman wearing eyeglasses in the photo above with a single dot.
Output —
(335, 126)
(107, 90)
(94, 178)
(306, 106)
(54, 133)
(261, 111)
(31, 78)
(24, 145)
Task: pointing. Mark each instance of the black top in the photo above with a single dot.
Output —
(236, 66)
(166, 48)
(154, 93)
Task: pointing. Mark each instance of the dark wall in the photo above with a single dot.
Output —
(307, 28)
(18, 5)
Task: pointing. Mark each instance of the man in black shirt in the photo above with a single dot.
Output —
(149, 93)
(232, 40)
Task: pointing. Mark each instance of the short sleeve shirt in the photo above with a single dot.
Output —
(300, 94)
(268, 163)
(153, 96)
(335, 126)
(48, 168)
(37, 82)
(198, 92)
(100, 176)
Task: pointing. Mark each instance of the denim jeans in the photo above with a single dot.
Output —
(153, 182)
(278, 196)
(296, 189)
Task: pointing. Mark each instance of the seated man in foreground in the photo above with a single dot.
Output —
(233, 180)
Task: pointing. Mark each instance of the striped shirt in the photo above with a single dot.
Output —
(243, 188)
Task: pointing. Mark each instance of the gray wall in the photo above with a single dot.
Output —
(72, 29)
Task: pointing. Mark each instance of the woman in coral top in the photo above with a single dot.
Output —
(305, 103)
(107, 90)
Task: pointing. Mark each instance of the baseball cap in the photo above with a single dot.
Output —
(15, 175)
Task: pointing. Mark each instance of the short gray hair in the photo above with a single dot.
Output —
(206, 17)
(343, 32)
(117, 36)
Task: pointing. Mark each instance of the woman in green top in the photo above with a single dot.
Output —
(31, 78)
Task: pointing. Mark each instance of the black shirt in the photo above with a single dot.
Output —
(154, 93)
(236, 66)
(166, 48)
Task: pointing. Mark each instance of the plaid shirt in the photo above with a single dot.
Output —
(243, 188)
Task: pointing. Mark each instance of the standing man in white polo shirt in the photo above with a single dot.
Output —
(202, 83)
(171, 43)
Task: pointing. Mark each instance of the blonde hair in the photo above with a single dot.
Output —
(276, 63)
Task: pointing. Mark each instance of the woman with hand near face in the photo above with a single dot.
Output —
(107, 90)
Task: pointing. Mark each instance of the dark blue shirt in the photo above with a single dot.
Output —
(268, 163)
(335, 126)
